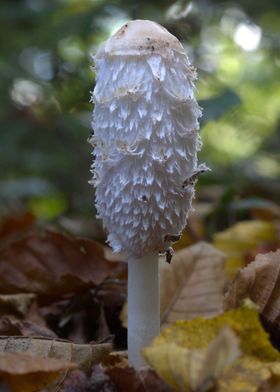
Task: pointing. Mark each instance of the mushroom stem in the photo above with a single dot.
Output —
(143, 305)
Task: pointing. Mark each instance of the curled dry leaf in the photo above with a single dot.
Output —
(27, 373)
(52, 265)
(192, 285)
(85, 355)
(259, 281)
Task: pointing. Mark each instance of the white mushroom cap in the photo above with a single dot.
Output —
(146, 139)
(138, 37)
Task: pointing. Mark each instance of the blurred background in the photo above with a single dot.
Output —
(46, 80)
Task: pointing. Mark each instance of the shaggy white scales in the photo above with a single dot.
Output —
(145, 139)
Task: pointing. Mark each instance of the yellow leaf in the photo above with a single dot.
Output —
(250, 375)
(239, 239)
(190, 369)
(244, 321)
(200, 354)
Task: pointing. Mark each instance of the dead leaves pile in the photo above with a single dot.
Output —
(230, 351)
(62, 312)
(55, 296)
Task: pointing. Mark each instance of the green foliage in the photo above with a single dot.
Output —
(45, 114)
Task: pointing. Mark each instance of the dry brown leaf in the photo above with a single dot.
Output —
(126, 378)
(27, 373)
(20, 315)
(16, 225)
(87, 317)
(85, 355)
(10, 326)
(52, 265)
(192, 285)
(259, 281)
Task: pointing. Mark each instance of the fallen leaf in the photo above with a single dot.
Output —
(112, 294)
(192, 285)
(251, 375)
(262, 248)
(87, 316)
(100, 381)
(53, 265)
(27, 373)
(126, 378)
(242, 238)
(85, 355)
(152, 382)
(15, 327)
(259, 281)
(76, 381)
(244, 321)
(221, 353)
(15, 225)
(20, 315)
(198, 355)
(194, 370)
(266, 210)
(17, 304)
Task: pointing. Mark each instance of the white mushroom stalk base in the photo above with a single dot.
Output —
(143, 305)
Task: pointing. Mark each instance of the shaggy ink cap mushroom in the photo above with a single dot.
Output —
(145, 139)
(145, 142)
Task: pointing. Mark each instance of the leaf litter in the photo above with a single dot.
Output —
(69, 294)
